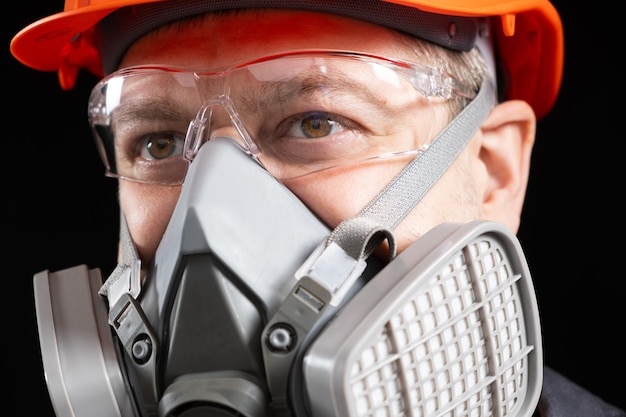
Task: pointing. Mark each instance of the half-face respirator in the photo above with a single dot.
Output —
(228, 323)
(254, 307)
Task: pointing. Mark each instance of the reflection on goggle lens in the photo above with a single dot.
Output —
(297, 113)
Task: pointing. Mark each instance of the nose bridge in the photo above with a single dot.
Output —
(224, 121)
(216, 117)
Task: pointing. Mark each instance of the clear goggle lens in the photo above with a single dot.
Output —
(297, 113)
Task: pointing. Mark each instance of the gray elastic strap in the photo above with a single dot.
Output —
(402, 194)
(130, 257)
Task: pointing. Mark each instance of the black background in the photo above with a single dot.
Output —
(60, 211)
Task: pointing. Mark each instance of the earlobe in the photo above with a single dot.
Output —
(508, 136)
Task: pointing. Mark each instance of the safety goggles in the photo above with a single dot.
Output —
(297, 113)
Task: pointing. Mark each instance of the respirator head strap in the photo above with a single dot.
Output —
(408, 188)
(126, 277)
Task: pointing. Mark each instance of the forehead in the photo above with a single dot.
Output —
(218, 40)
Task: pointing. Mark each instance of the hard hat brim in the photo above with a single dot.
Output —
(40, 45)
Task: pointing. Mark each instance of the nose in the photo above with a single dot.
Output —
(228, 131)
(225, 122)
(216, 118)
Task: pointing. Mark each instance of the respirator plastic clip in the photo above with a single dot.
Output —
(128, 320)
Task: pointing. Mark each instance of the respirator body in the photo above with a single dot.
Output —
(229, 320)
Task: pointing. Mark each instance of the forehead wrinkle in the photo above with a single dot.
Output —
(146, 109)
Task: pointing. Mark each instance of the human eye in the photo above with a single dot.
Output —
(312, 136)
(147, 137)
(153, 156)
(314, 125)
(160, 145)
(146, 153)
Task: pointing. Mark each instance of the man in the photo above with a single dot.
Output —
(332, 100)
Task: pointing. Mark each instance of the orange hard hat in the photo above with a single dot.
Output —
(529, 40)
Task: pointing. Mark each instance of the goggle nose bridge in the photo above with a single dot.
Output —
(199, 130)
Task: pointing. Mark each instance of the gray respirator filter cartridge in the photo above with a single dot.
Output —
(449, 328)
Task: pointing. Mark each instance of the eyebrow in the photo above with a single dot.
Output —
(271, 92)
(141, 109)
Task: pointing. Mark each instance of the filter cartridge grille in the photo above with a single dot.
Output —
(456, 348)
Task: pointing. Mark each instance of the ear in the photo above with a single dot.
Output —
(508, 136)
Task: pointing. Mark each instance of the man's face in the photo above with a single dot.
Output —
(333, 195)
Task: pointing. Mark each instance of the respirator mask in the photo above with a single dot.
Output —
(254, 307)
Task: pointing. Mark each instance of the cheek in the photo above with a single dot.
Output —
(337, 194)
(147, 209)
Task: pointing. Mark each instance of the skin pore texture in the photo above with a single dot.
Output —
(487, 181)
